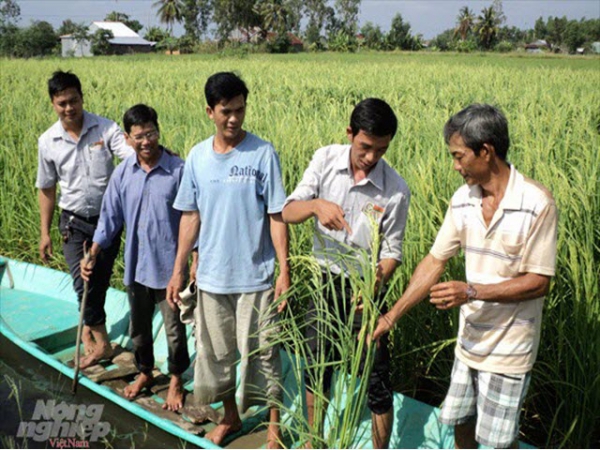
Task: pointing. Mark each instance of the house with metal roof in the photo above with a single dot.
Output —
(124, 41)
(537, 46)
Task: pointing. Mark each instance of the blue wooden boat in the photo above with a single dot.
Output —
(39, 314)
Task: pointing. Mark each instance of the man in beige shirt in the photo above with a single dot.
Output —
(506, 225)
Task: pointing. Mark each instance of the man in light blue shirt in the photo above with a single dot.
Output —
(232, 196)
(77, 153)
(140, 196)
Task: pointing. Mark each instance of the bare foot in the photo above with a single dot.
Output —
(142, 381)
(273, 436)
(220, 432)
(88, 348)
(175, 395)
(99, 353)
(88, 340)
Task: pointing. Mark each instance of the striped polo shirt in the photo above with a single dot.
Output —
(521, 238)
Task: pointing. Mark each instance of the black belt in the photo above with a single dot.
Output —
(92, 220)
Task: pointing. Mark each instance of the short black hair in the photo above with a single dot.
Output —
(480, 124)
(374, 117)
(224, 86)
(63, 80)
(139, 115)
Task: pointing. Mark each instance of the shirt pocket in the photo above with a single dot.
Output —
(365, 229)
(160, 202)
(100, 160)
(512, 247)
(165, 195)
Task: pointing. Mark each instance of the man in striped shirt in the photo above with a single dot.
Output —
(506, 224)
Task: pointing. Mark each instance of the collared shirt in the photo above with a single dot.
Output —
(521, 238)
(234, 193)
(143, 202)
(380, 200)
(82, 168)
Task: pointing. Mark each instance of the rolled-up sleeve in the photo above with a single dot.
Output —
(46, 173)
(447, 243)
(117, 143)
(394, 225)
(308, 188)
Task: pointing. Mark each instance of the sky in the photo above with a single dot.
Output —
(426, 17)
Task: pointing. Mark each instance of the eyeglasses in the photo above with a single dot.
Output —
(152, 135)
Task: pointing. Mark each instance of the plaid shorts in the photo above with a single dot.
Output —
(494, 399)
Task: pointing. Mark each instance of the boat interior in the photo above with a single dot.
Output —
(41, 310)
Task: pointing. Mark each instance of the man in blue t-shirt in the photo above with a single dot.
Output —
(231, 197)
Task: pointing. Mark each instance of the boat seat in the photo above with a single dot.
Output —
(34, 316)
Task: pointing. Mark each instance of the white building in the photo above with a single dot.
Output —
(124, 41)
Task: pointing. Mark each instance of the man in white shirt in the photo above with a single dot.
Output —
(77, 154)
(346, 189)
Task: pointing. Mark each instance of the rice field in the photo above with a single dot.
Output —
(302, 102)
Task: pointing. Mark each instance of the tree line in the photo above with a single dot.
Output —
(487, 31)
(321, 24)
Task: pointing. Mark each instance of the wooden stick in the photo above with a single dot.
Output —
(86, 258)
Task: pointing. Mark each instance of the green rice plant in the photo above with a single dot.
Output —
(15, 393)
(134, 439)
(344, 411)
(12, 442)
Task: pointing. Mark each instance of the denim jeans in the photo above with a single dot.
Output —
(76, 230)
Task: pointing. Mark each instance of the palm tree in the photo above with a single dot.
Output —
(274, 15)
(465, 22)
(487, 27)
(169, 12)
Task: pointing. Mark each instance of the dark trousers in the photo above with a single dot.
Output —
(320, 336)
(142, 301)
(76, 230)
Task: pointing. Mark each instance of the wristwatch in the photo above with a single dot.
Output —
(471, 292)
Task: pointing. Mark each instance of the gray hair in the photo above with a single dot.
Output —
(480, 124)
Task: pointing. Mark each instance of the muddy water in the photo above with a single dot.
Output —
(24, 381)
